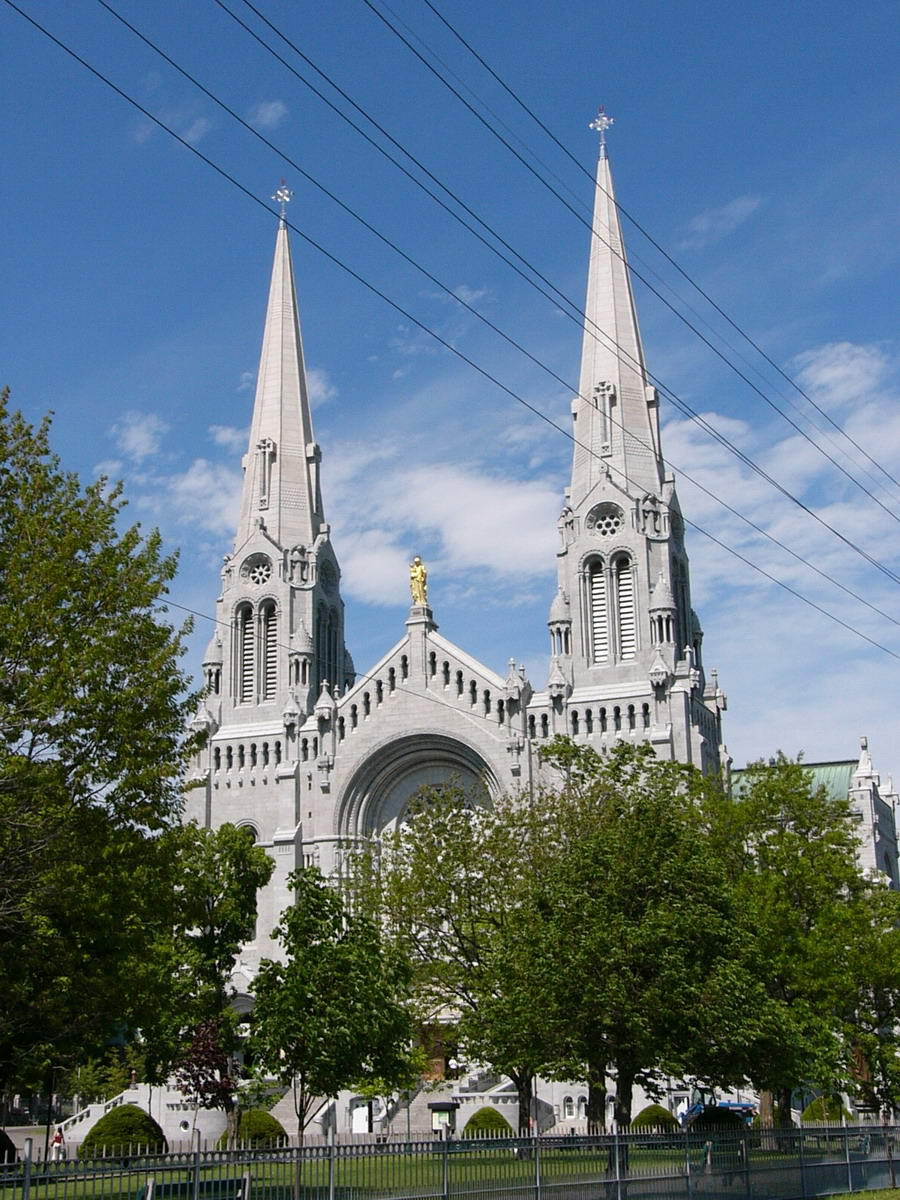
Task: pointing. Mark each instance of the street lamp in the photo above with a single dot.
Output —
(52, 1071)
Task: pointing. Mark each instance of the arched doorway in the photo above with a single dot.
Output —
(378, 794)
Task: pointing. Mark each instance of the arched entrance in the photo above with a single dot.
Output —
(379, 792)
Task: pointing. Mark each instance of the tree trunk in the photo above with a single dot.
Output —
(524, 1081)
(596, 1101)
(231, 1124)
(624, 1091)
(783, 1108)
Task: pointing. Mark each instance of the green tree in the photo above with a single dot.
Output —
(811, 911)
(450, 887)
(639, 926)
(334, 1013)
(219, 875)
(93, 706)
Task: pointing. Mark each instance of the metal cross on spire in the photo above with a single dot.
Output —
(283, 196)
(601, 123)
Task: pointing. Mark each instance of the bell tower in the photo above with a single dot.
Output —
(278, 645)
(625, 642)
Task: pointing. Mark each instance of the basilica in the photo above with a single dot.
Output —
(313, 755)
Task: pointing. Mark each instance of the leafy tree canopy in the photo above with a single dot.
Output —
(93, 704)
(334, 1012)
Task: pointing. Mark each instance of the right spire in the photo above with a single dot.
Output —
(616, 412)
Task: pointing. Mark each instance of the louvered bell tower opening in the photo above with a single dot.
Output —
(625, 607)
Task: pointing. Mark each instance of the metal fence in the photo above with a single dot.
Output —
(746, 1165)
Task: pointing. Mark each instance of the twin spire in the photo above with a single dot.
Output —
(616, 413)
(281, 470)
(616, 418)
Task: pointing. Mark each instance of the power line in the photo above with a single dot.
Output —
(691, 413)
(414, 320)
(637, 274)
(641, 229)
(490, 324)
(694, 416)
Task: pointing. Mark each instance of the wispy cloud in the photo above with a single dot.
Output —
(138, 434)
(196, 130)
(269, 114)
(246, 381)
(842, 372)
(321, 389)
(717, 223)
(229, 436)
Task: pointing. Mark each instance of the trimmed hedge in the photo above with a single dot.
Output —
(715, 1118)
(487, 1120)
(826, 1108)
(257, 1129)
(654, 1116)
(123, 1127)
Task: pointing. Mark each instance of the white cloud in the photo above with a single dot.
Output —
(109, 467)
(269, 114)
(469, 295)
(229, 436)
(206, 495)
(247, 380)
(321, 389)
(138, 434)
(842, 372)
(717, 223)
(197, 130)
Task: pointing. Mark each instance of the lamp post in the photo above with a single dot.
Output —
(53, 1071)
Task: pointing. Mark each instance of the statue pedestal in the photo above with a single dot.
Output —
(421, 615)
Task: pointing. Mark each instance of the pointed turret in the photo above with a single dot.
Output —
(616, 411)
(281, 470)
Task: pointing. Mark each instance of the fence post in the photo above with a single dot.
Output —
(847, 1157)
(445, 1173)
(26, 1168)
(195, 1191)
(687, 1163)
(802, 1143)
(331, 1161)
(889, 1146)
(537, 1166)
(618, 1164)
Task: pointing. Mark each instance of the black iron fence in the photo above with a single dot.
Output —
(744, 1165)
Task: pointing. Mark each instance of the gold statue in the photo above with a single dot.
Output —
(418, 581)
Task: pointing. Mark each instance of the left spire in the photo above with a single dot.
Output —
(281, 470)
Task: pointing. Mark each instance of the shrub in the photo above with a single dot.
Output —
(256, 1128)
(8, 1152)
(654, 1116)
(714, 1118)
(123, 1126)
(826, 1108)
(487, 1120)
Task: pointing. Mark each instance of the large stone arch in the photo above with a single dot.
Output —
(379, 790)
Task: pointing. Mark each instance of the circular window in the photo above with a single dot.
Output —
(606, 519)
(257, 569)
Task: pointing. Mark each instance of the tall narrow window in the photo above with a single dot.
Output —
(625, 605)
(269, 652)
(599, 614)
(245, 655)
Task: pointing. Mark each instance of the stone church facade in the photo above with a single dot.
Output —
(314, 756)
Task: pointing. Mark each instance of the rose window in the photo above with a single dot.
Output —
(257, 569)
(606, 519)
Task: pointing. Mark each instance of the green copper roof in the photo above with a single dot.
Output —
(835, 777)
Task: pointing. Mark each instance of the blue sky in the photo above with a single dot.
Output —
(756, 142)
